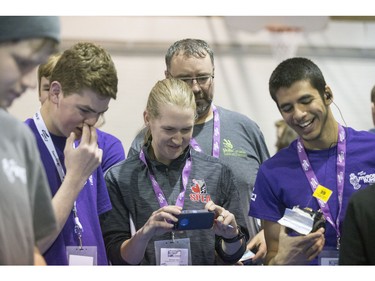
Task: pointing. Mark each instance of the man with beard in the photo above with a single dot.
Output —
(224, 134)
(320, 170)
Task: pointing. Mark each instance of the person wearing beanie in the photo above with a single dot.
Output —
(40, 35)
(26, 214)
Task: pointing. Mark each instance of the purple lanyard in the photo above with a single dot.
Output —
(215, 137)
(311, 177)
(158, 192)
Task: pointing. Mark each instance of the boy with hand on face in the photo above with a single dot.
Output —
(82, 84)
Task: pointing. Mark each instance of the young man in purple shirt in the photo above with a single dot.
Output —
(82, 84)
(319, 170)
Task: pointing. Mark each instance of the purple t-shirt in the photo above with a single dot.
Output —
(92, 201)
(113, 150)
(281, 182)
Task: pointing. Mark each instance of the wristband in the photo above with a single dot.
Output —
(239, 236)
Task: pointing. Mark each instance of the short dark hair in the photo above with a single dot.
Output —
(189, 47)
(296, 69)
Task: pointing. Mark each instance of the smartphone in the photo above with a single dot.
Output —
(194, 219)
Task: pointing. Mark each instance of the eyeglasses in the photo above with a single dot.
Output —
(201, 80)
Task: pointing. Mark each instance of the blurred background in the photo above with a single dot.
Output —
(247, 49)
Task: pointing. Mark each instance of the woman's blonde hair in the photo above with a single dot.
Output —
(170, 91)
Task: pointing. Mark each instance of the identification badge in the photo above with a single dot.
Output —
(82, 256)
(173, 252)
(329, 257)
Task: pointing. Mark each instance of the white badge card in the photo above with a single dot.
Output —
(82, 256)
(173, 252)
(329, 257)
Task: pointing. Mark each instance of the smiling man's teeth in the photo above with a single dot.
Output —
(303, 125)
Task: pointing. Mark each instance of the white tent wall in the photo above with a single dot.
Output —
(344, 50)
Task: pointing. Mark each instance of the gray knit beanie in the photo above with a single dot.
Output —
(22, 27)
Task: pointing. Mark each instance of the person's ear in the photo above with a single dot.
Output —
(55, 90)
(328, 96)
(167, 74)
(146, 118)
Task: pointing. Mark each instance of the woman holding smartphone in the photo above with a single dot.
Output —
(149, 190)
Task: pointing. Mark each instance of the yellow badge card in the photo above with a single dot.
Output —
(322, 193)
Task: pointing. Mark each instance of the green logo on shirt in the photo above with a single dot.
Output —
(229, 150)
